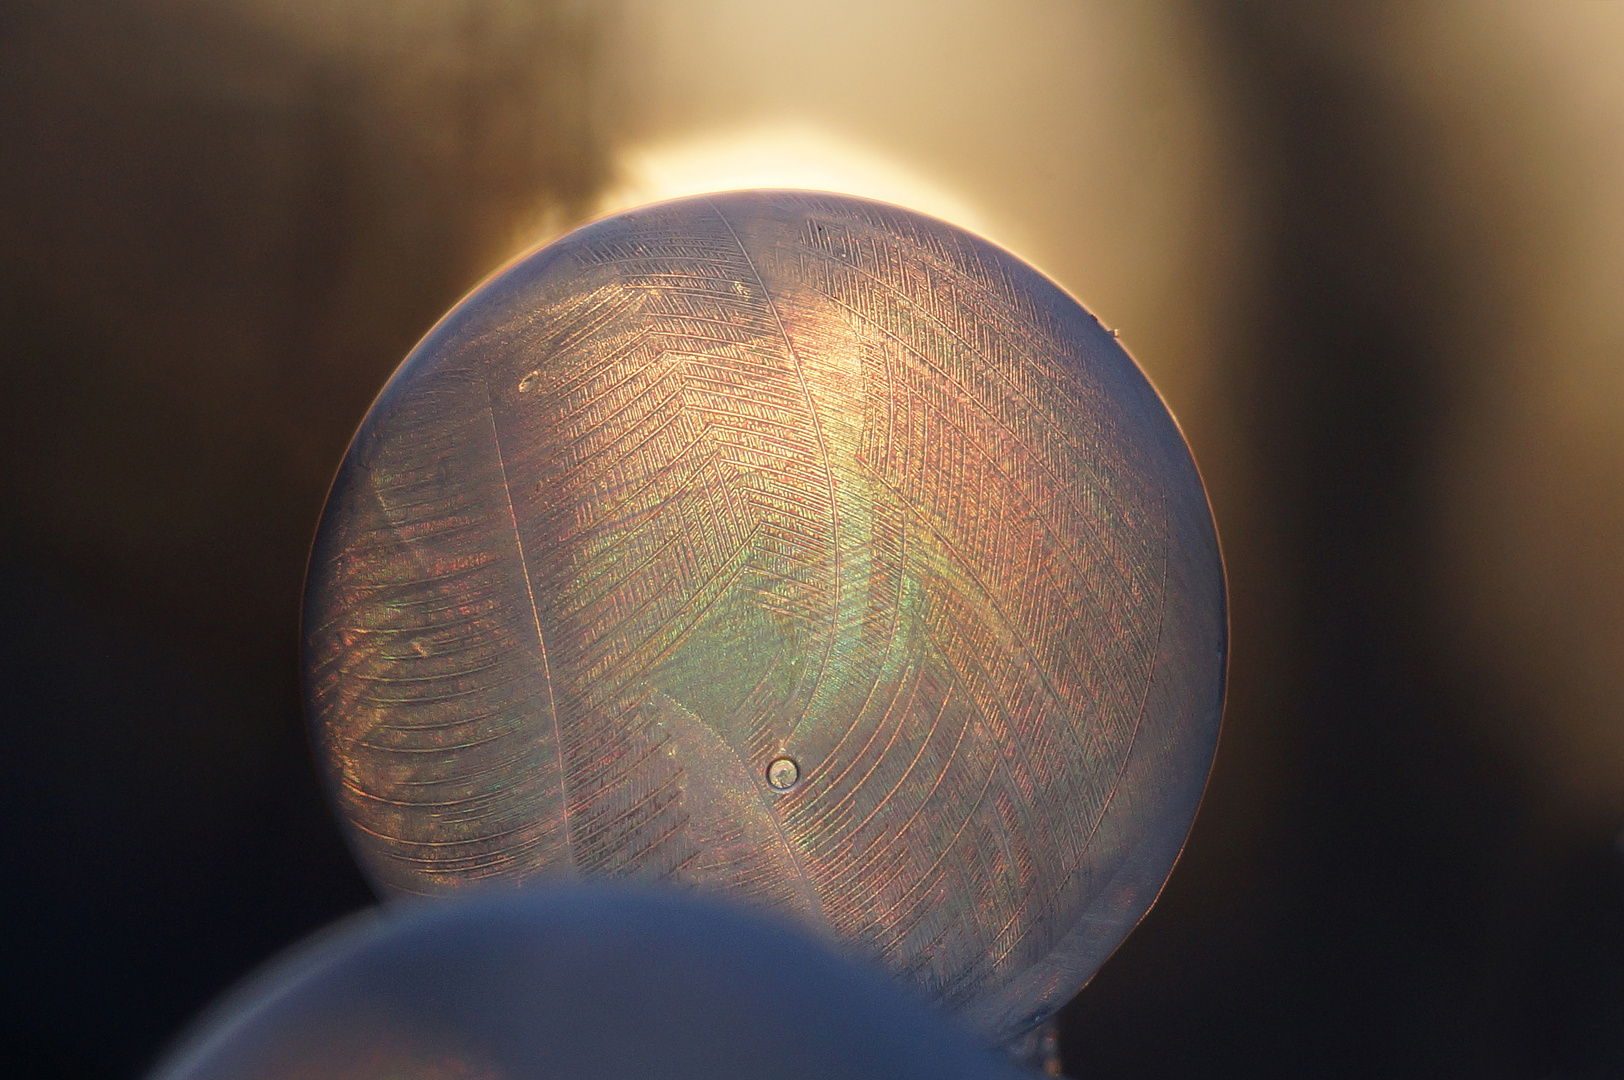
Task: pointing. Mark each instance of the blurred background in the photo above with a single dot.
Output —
(1372, 254)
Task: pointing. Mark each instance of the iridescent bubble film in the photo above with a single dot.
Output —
(791, 546)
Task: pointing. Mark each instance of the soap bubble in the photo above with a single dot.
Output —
(573, 982)
(742, 485)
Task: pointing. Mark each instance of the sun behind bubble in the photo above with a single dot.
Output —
(790, 156)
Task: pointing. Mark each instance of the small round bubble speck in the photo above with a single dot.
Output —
(783, 774)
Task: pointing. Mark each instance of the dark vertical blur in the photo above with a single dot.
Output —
(1437, 890)
(1368, 253)
(221, 226)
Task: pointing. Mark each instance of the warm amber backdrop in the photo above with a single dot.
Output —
(1371, 254)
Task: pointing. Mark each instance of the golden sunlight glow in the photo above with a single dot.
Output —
(780, 156)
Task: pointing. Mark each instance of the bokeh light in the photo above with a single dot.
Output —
(782, 156)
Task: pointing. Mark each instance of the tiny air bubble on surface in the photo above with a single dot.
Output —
(783, 773)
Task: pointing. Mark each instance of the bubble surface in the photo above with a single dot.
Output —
(779, 475)
(571, 982)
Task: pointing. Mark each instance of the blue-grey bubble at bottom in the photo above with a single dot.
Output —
(571, 982)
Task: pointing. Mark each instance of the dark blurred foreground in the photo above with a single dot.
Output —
(218, 236)
(588, 983)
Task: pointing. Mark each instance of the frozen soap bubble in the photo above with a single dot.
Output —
(791, 546)
(578, 983)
